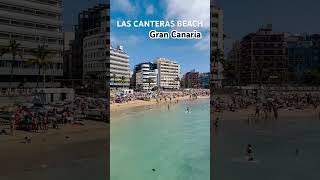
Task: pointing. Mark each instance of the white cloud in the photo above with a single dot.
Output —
(204, 43)
(124, 40)
(149, 9)
(189, 10)
(123, 6)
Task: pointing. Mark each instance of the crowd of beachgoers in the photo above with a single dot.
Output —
(159, 96)
(36, 117)
(267, 106)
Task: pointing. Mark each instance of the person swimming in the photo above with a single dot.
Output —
(188, 109)
(249, 152)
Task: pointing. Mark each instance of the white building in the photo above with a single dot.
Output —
(119, 68)
(31, 23)
(217, 42)
(217, 26)
(168, 74)
(146, 76)
(95, 60)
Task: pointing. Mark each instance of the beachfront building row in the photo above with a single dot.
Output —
(31, 23)
(162, 73)
(217, 43)
(194, 80)
(268, 57)
(191, 79)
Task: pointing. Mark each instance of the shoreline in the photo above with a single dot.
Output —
(120, 107)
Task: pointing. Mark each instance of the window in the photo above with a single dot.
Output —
(4, 35)
(4, 21)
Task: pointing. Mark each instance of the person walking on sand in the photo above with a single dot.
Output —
(12, 126)
(257, 111)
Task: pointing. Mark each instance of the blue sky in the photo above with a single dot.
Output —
(190, 54)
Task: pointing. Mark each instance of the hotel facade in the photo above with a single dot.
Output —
(119, 68)
(168, 74)
(31, 23)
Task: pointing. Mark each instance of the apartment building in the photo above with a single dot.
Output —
(263, 57)
(217, 44)
(119, 68)
(145, 75)
(31, 23)
(192, 79)
(91, 46)
(168, 74)
(303, 55)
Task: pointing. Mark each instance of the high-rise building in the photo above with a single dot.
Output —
(205, 79)
(119, 68)
(31, 23)
(217, 44)
(168, 74)
(91, 35)
(67, 58)
(303, 55)
(217, 28)
(145, 75)
(263, 57)
(192, 79)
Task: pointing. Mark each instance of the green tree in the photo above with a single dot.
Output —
(123, 80)
(230, 72)
(41, 56)
(14, 49)
(149, 81)
(217, 58)
(114, 77)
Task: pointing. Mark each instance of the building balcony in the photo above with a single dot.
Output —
(28, 17)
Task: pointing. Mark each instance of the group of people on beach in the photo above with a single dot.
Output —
(268, 105)
(38, 117)
(159, 96)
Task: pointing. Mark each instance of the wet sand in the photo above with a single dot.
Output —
(55, 148)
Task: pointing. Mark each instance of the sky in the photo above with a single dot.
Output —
(72, 8)
(190, 54)
(245, 16)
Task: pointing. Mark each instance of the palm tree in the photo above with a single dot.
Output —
(149, 81)
(41, 56)
(123, 80)
(262, 71)
(114, 76)
(14, 49)
(230, 72)
(217, 58)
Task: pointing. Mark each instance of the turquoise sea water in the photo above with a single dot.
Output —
(274, 148)
(173, 142)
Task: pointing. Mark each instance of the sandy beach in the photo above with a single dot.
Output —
(54, 148)
(119, 107)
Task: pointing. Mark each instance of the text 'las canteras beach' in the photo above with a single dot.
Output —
(170, 34)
